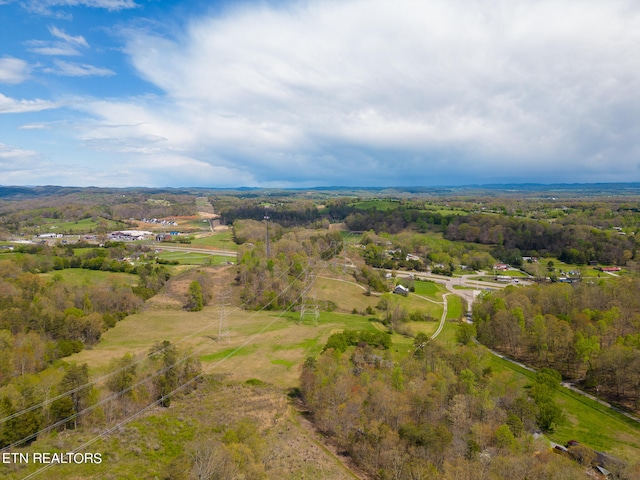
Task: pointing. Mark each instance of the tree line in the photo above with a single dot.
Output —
(576, 244)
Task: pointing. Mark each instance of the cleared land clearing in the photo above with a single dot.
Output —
(193, 223)
(345, 293)
(256, 339)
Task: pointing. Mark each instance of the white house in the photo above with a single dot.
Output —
(401, 290)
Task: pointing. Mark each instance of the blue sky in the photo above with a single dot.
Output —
(315, 93)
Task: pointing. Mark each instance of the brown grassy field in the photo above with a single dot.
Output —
(275, 441)
(262, 345)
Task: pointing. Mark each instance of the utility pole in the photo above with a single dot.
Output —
(344, 249)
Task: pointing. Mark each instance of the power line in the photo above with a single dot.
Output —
(173, 392)
(91, 408)
(156, 352)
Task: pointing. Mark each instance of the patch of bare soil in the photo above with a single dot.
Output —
(174, 294)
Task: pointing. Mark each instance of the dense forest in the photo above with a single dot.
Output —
(589, 332)
(576, 244)
(438, 414)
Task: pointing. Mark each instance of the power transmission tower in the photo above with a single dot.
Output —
(223, 328)
(309, 309)
(309, 303)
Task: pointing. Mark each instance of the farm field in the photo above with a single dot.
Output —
(193, 258)
(86, 225)
(222, 240)
(80, 276)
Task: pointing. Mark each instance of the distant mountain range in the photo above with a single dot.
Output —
(511, 189)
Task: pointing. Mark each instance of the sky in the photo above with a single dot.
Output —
(304, 93)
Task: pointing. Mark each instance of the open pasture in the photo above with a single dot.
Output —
(86, 225)
(264, 345)
(193, 258)
(222, 240)
(76, 277)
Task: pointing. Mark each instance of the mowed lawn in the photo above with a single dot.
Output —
(347, 295)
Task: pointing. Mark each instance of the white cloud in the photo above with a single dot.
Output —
(13, 70)
(52, 7)
(43, 47)
(16, 161)
(78, 40)
(11, 105)
(111, 5)
(34, 126)
(67, 45)
(9, 152)
(418, 92)
(70, 69)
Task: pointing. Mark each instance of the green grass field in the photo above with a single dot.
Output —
(86, 225)
(511, 273)
(445, 211)
(429, 289)
(10, 255)
(192, 258)
(221, 240)
(195, 224)
(262, 345)
(78, 276)
(382, 205)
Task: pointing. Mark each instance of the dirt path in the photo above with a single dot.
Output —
(444, 316)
